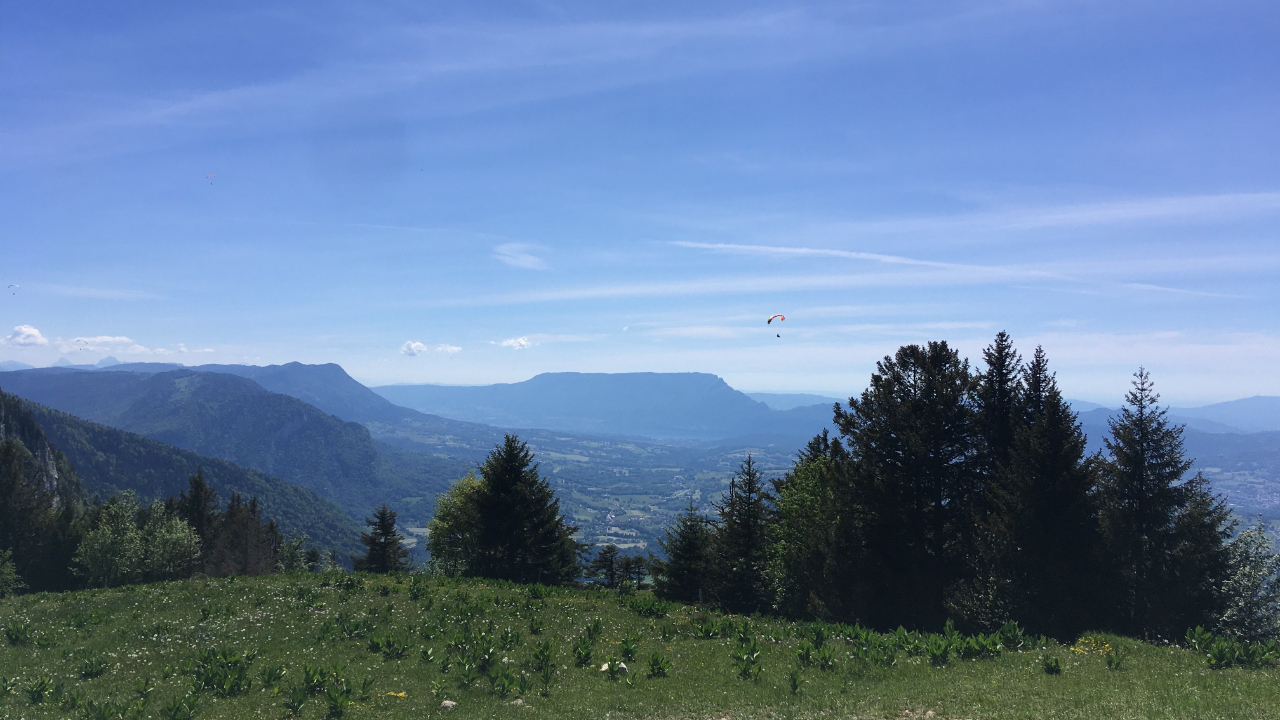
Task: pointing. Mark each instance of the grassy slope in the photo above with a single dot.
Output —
(139, 631)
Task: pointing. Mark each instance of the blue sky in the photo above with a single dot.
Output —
(475, 193)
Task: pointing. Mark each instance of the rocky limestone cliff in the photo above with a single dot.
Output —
(46, 465)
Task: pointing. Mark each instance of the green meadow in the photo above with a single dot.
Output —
(350, 646)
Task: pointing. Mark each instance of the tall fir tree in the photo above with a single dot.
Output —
(522, 535)
(740, 542)
(1165, 535)
(384, 550)
(1046, 519)
(998, 395)
(915, 484)
(685, 574)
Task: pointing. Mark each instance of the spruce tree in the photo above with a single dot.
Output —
(385, 552)
(522, 536)
(997, 396)
(199, 507)
(1164, 535)
(685, 573)
(915, 486)
(1046, 517)
(605, 566)
(740, 541)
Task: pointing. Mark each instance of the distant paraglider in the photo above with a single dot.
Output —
(779, 318)
(14, 286)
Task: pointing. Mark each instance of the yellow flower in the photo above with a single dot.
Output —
(398, 694)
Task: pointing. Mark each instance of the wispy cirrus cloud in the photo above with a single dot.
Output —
(520, 255)
(782, 250)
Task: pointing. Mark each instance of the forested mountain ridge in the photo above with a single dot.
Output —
(235, 419)
(109, 461)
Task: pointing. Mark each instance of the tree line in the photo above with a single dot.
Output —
(122, 541)
(963, 495)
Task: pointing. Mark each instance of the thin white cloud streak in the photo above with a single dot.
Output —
(819, 252)
(518, 343)
(448, 349)
(519, 255)
(994, 222)
(955, 275)
(1177, 291)
(734, 285)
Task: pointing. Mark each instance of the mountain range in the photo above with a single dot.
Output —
(624, 452)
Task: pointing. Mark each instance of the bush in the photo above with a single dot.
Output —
(646, 605)
(939, 650)
(17, 632)
(659, 666)
(804, 653)
(92, 667)
(224, 672)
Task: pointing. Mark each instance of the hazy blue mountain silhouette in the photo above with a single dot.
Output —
(789, 401)
(1260, 413)
(691, 406)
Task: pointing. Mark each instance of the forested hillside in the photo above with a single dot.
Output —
(233, 418)
(109, 461)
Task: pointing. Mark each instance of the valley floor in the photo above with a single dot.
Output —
(388, 647)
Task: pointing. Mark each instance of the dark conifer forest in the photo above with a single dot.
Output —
(959, 494)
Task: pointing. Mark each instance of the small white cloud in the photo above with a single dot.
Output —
(136, 349)
(520, 255)
(412, 348)
(519, 343)
(448, 349)
(104, 340)
(26, 335)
